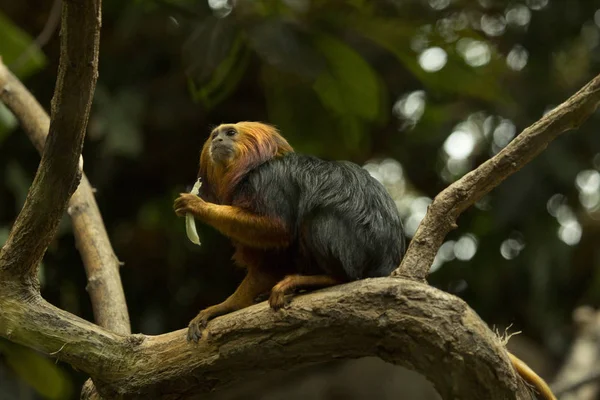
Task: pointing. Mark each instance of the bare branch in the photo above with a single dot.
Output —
(579, 377)
(58, 176)
(451, 202)
(101, 264)
(403, 322)
(575, 389)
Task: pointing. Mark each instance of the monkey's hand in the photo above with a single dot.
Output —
(234, 222)
(190, 203)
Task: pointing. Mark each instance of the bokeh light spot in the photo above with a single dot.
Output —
(433, 59)
(459, 144)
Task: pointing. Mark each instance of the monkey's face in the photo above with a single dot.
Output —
(222, 147)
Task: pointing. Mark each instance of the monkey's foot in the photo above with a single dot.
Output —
(277, 300)
(197, 326)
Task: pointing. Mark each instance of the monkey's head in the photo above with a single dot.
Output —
(231, 151)
(222, 149)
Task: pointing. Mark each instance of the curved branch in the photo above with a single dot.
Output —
(58, 176)
(451, 202)
(101, 264)
(403, 322)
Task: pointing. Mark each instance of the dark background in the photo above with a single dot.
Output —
(419, 92)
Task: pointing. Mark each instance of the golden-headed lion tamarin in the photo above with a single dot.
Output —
(295, 221)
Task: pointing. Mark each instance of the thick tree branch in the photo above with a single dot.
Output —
(403, 322)
(57, 176)
(451, 202)
(101, 264)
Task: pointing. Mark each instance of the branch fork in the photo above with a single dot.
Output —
(403, 321)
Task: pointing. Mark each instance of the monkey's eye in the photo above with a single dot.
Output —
(231, 132)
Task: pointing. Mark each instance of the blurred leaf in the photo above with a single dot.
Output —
(296, 110)
(8, 122)
(571, 64)
(455, 77)
(124, 139)
(226, 77)
(311, 128)
(48, 379)
(284, 46)
(118, 119)
(562, 163)
(4, 231)
(430, 125)
(345, 96)
(320, 8)
(149, 215)
(350, 86)
(208, 46)
(13, 45)
(482, 224)
(185, 7)
(18, 182)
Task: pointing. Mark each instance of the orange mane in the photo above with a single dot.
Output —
(256, 144)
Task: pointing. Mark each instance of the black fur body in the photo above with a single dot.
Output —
(341, 220)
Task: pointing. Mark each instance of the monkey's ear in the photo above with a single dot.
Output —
(281, 143)
(283, 147)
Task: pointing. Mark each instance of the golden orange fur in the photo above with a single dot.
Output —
(257, 143)
(251, 233)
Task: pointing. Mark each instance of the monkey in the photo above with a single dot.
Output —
(295, 221)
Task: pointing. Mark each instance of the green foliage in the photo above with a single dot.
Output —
(17, 46)
(349, 89)
(17, 49)
(4, 231)
(455, 78)
(334, 76)
(350, 86)
(47, 378)
(227, 74)
(8, 122)
(118, 121)
(17, 181)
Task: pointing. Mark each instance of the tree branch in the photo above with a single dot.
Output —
(101, 264)
(451, 202)
(579, 377)
(403, 322)
(57, 176)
